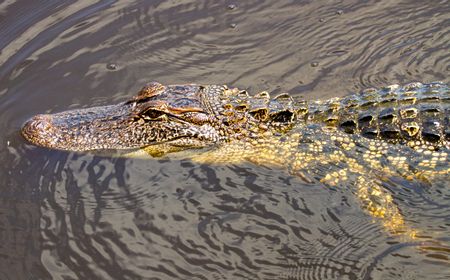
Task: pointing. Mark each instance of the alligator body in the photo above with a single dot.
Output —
(197, 116)
(360, 139)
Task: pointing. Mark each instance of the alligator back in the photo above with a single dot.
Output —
(415, 114)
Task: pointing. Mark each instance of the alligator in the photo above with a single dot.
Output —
(360, 140)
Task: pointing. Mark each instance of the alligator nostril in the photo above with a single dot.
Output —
(41, 122)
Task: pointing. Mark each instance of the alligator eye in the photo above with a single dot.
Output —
(152, 114)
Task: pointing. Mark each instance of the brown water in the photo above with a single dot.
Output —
(78, 216)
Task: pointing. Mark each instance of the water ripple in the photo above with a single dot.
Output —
(82, 216)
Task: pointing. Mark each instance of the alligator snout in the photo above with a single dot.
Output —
(38, 129)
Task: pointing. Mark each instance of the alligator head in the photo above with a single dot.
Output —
(179, 115)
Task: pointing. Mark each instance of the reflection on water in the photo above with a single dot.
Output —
(79, 216)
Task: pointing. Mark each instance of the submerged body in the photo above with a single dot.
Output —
(361, 139)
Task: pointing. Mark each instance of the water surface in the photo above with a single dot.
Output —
(78, 216)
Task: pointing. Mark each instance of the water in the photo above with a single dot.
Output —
(79, 216)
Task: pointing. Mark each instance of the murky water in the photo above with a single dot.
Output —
(79, 216)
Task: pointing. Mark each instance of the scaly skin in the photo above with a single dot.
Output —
(360, 140)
